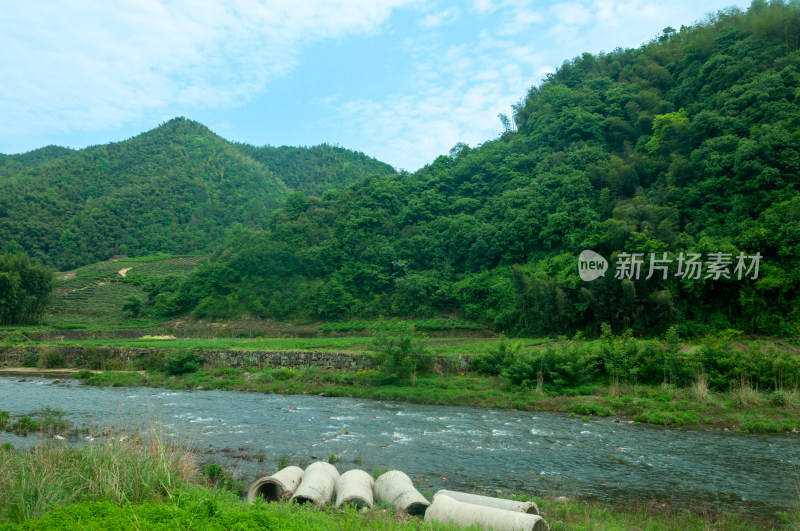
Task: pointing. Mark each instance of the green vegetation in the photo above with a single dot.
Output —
(182, 363)
(24, 289)
(316, 169)
(686, 145)
(402, 354)
(47, 420)
(431, 325)
(99, 294)
(175, 189)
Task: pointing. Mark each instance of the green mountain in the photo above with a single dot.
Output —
(12, 164)
(687, 145)
(316, 169)
(175, 189)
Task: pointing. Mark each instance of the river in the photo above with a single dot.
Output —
(446, 446)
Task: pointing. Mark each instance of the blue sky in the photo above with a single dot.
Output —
(400, 80)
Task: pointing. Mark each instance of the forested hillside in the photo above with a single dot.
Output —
(688, 144)
(175, 189)
(316, 169)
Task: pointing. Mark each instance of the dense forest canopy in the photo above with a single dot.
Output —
(175, 189)
(689, 144)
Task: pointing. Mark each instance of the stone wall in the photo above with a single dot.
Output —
(125, 358)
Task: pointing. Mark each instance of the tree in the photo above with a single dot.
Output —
(133, 305)
(24, 289)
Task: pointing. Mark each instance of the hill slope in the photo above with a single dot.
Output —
(688, 144)
(175, 189)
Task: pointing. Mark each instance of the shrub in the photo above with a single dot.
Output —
(132, 306)
(573, 365)
(52, 359)
(153, 361)
(496, 359)
(182, 363)
(30, 359)
(97, 358)
(402, 354)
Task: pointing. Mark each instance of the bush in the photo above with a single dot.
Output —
(573, 365)
(52, 359)
(30, 359)
(154, 361)
(97, 358)
(182, 363)
(402, 354)
(496, 359)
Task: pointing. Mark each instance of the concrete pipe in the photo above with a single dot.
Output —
(396, 488)
(498, 503)
(318, 484)
(354, 487)
(278, 486)
(446, 510)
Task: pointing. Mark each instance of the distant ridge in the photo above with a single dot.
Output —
(174, 189)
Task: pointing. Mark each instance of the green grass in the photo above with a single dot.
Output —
(34, 482)
(202, 508)
(421, 325)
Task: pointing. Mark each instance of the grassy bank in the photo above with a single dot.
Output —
(721, 381)
(749, 410)
(141, 483)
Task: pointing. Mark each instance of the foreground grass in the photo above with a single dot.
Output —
(747, 410)
(33, 482)
(129, 484)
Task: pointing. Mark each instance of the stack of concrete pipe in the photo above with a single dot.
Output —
(322, 484)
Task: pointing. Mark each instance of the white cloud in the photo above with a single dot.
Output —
(457, 91)
(443, 18)
(454, 96)
(94, 65)
(571, 13)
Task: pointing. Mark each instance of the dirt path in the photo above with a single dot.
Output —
(123, 272)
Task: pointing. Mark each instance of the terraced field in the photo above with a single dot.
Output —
(95, 294)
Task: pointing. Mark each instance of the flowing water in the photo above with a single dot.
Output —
(446, 446)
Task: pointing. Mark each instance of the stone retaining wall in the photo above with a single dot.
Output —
(125, 357)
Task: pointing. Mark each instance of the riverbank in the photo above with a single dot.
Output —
(738, 410)
(721, 381)
(140, 481)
